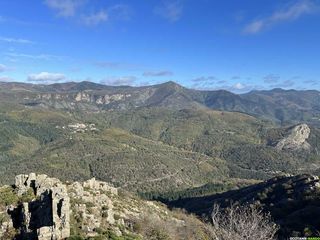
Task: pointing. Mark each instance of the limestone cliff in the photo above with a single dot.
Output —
(37, 207)
(46, 214)
(296, 139)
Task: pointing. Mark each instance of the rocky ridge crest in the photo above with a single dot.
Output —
(296, 139)
(37, 207)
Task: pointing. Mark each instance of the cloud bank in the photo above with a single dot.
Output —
(46, 77)
(96, 18)
(290, 13)
(65, 8)
(78, 9)
(3, 68)
(16, 40)
(170, 10)
(157, 74)
(6, 79)
(119, 81)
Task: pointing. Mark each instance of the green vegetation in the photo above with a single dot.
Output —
(171, 146)
(8, 196)
(205, 190)
(163, 142)
(293, 202)
(151, 150)
(106, 235)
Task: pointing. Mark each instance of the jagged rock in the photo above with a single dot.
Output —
(95, 205)
(95, 208)
(296, 139)
(77, 189)
(47, 216)
(99, 185)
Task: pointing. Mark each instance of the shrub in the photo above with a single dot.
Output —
(105, 208)
(242, 222)
(89, 204)
(75, 238)
(8, 196)
(157, 234)
(27, 196)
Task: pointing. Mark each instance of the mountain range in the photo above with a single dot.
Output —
(142, 138)
(282, 106)
(166, 142)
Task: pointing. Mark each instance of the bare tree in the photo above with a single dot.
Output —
(242, 222)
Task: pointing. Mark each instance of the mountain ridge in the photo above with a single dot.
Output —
(281, 106)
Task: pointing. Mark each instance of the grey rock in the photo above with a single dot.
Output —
(99, 185)
(47, 216)
(296, 139)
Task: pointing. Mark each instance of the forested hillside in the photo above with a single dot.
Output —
(167, 144)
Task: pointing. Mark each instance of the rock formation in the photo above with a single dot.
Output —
(46, 217)
(37, 207)
(99, 185)
(296, 139)
(93, 204)
(43, 209)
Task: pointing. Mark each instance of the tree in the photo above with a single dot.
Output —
(242, 222)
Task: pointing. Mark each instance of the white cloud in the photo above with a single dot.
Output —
(3, 68)
(116, 81)
(271, 78)
(285, 84)
(170, 9)
(16, 40)
(290, 13)
(111, 65)
(239, 86)
(36, 57)
(46, 77)
(211, 79)
(81, 10)
(312, 82)
(117, 65)
(95, 18)
(6, 79)
(120, 12)
(65, 8)
(157, 74)
(235, 88)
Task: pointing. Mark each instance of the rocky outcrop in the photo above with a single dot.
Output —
(296, 139)
(37, 207)
(93, 204)
(42, 209)
(99, 185)
(46, 216)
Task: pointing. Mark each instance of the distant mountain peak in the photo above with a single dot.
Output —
(171, 85)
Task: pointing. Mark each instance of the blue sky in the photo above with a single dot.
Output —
(238, 45)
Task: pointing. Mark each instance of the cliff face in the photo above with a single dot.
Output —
(45, 215)
(37, 207)
(91, 100)
(296, 139)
